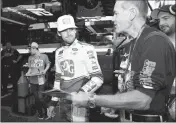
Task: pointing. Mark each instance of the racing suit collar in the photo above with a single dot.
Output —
(74, 42)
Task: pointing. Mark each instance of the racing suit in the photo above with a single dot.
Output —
(77, 69)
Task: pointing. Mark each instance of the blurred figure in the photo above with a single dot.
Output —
(38, 67)
(166, 16)
(10, 74)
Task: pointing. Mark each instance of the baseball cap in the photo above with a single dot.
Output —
(65, 22)
(34, 44)
(168, 8)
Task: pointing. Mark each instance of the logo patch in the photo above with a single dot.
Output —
(66, 21)
(74, 49)
(148, 68)
(37, 63)
(95, 68)
(90, 54)
(67, 67)
(145, 74)
(60, 52)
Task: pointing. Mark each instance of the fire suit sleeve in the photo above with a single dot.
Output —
(93, 69)
(57, 76)
(58, 71)
(156, 64)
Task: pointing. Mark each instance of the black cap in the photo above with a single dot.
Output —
(168, 8)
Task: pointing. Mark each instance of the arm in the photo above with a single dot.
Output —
(93, 67)
(47, 64)
(29, 65)
(54, 100)
(156, 62)
(16, 53)
(148, 80)
(135, 100)
(47, 67)
(19, 58)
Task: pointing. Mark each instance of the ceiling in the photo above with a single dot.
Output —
(39, 11)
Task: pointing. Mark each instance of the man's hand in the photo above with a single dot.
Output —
(109, 112)
(43, 72)
(50, 112)
(80, 99)
(105, 110)
(28, 73)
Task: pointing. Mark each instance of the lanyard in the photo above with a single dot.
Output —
(129, 58)
(132, 48)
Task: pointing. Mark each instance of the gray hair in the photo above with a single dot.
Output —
(142, 6)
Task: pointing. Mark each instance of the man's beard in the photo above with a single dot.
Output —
(70, 41)
(168, 31)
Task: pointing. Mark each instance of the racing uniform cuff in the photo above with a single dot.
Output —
(92, 85)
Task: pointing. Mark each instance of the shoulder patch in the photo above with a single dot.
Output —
(75, 49)
(59, 51)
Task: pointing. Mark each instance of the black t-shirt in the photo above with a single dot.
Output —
(152, 66)
(12, 54)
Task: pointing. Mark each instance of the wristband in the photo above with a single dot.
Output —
(89, 86)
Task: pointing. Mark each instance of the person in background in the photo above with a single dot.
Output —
(77, 70)
(38, 66)
(10, 58)
(166, 15)
(149, 68)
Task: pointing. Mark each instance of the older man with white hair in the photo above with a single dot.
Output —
(149, 72)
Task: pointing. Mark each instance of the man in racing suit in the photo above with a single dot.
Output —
(77, 70)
